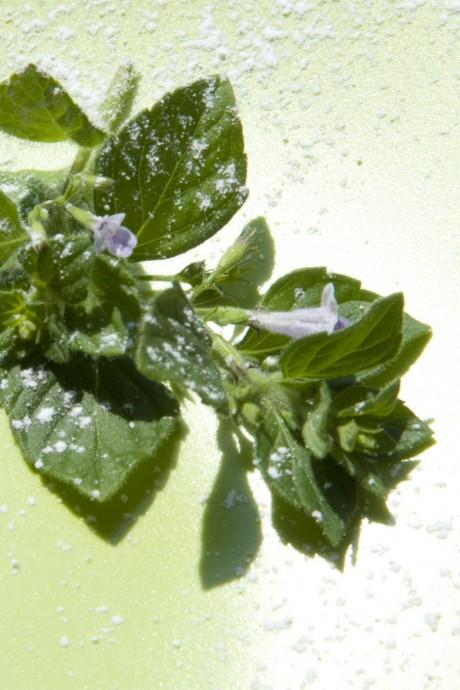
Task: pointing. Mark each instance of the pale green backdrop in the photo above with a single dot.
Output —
(351, 120)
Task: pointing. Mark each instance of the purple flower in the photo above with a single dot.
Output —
(298, 323)
(111, 235)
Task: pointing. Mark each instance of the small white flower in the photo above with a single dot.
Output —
(111, 235)
(298, 323)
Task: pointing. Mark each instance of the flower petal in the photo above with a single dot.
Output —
(121, 242)
(117, 218)
(299, 323)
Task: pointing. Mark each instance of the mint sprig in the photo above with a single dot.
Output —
(95, 361)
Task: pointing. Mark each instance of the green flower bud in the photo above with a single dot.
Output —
(27, 330)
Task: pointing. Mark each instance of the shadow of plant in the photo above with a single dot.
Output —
(231, 533)
(113, 519)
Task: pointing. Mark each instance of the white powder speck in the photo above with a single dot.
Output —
(117, 619)
(84, 422)
(101, 609)
(45, 414)
(64, 641)
(317, 515)
(230, 499)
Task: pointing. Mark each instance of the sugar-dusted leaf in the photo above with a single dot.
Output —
(105, 324)
(242, 269)
(289, 471)
(13, 276)
(120, 96)
(34, 106)
(175, 346)
(64, 264)
(298, 289)
(371, 340)
(179, 169)
(28, 188)
(91, 301)
(12, 231)
(89, 424)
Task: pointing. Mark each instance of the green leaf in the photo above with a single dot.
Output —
(64, 264)
(90, 423)
(12, 232)
(120, 96)
(106, 323)
(298, 289)
(28, 188)
(359, 401)
(193, 274)
(289, 471)
(34, 106)
(376, 477)
(11, 309)
(179, 169)
(347, 434)
(412, 435)
(415, 336)
(398, 435)
(175, 346)
(373, 339)
(315, 429)
(91, 301)
(246, 265)
(13, 276)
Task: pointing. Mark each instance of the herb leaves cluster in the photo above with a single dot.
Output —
(95, 361)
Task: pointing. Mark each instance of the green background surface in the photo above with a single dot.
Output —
(351, 120)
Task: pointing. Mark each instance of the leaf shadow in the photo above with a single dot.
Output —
(231, 531)
(113, 519)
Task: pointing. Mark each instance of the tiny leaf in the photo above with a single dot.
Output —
(120, 96)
